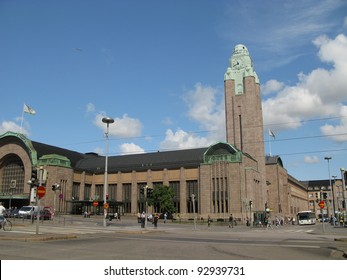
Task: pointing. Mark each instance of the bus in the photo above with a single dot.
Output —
(306, 218)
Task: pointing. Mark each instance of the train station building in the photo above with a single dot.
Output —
(231, 176)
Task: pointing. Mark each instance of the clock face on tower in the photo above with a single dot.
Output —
(237, 64)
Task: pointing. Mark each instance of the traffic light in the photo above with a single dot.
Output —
(34, 181)
(107, 196)
(54, 188)
(325, 195)
(317, 197)
(149, 192)
(250, 203)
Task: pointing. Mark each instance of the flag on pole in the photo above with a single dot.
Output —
(28, 110)
(272, 134)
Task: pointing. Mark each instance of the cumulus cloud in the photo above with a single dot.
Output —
(182, 140)
(311, 160)
(321, 93)
(130, 148)
(271, 86)
(339, 132)
(12, 126)
(205, 107)
(124, 127)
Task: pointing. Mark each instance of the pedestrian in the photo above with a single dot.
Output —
(209, 221)
(165, 217)
(155, 220)
(2, 210)
(231, 221)
(143, 219)
(2, 213)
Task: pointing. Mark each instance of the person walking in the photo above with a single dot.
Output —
(231, 221)
(209, 221)
(155, 220)
(143, 219)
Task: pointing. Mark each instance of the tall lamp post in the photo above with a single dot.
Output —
(331, 186)
(106, 120)
(343, 192)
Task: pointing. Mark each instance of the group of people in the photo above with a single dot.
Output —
(151, 218)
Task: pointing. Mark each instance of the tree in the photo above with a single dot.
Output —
(162, 199)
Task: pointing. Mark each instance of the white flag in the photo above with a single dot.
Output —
(29, 110)
(272, 134)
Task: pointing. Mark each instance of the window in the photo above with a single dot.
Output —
(192, 188)
(112, 191)
(75, 191)
(175, 185)
(88, 192)
(127, 197)
(99, 194)
(12, 171)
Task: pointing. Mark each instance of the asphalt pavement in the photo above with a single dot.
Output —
(73, 226)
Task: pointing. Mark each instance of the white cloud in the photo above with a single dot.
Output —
(320, 93)
(12, 126)
(130, 148)
(205, 107)
(271, 86)
(182, 140)
(124, 127)
(339, 132)
(311, 160)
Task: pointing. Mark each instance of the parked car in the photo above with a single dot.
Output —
(13, 213)
(44, 215)
(28, 211)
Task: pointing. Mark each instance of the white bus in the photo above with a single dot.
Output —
(306, 218)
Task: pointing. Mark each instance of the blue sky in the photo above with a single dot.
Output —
(157, 68)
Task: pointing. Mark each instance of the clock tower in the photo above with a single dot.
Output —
(243, 109)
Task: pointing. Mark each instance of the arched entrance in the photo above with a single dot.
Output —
(12, 181)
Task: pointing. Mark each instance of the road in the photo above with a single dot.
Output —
(86, 239)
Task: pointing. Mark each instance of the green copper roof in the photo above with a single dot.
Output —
(56, 160)
(240, 66)
(27, 143)
(222, 152)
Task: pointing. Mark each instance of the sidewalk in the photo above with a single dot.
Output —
(71, 227)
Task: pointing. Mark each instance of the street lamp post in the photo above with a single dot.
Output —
(106, 120)
(331, 186)
(343, 192)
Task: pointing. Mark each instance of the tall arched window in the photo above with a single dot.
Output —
(12, 171)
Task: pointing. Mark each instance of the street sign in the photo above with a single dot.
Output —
(41, 191)
(321, 204)
(95, 203)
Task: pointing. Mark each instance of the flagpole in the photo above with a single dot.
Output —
(21, 122)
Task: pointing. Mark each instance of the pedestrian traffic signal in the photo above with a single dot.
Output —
(53, 188)
(142, 190)
(250, 203)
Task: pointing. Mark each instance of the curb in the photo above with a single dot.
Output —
(39, 237)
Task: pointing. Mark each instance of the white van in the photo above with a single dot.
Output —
(29, 211)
